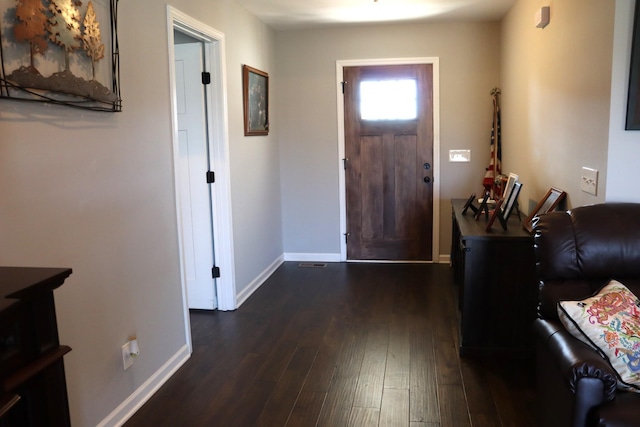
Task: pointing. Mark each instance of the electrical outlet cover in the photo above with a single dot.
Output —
(589, 180)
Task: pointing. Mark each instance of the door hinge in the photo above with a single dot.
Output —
(346, 237)
(343, 86)
(206, 78)
(211, 177)
(215, 272)
(344, 163)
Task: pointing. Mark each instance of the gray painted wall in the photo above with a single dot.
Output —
(95, 192)
(623, 173)
(556, 97)
(306, 66)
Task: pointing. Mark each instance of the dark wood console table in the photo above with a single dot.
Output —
(495, 272)
(33, 389)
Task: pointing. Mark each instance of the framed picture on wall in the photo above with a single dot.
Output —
(633, 96)
(255, 94)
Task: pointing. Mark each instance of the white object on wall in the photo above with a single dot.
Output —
(589, 180)
(459, 155)
(543, 16)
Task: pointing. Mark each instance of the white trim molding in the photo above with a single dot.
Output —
(305, 257)
(139, 397)
(217, 117)
(255, 284)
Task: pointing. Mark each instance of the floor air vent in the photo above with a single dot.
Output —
(312, 265)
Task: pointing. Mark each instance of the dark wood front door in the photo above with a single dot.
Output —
(389, 167)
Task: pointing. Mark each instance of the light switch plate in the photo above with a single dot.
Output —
(589, 180)
(127, 359)
(459, 155)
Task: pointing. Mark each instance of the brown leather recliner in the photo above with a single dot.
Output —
(578, 252)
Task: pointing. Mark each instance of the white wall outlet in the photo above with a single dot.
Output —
(127, 357)
(459, 155)
(589, 181)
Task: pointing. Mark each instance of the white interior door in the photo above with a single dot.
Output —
(195, 203)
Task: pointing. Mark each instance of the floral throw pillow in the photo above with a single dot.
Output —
(610, 323)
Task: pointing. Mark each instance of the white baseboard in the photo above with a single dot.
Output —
(258, 281)
(304, 257)
(129, 407)
(329, 257)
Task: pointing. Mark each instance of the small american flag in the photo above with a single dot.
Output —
(495, 167)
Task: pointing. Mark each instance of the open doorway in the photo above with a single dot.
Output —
(206, 47)
(198, 254)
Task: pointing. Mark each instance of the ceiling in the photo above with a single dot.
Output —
(299, 14)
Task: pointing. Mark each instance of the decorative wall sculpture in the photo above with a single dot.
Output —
(60, 52)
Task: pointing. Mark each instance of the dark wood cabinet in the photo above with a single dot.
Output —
(34, 391)
(495, 272)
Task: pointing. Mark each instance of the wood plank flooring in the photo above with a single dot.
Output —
(344, 345)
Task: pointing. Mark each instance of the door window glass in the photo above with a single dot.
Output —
(388, 99)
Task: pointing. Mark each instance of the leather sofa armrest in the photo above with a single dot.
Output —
(576, 360)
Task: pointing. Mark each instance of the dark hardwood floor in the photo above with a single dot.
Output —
(344, 345)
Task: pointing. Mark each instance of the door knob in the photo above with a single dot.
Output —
(427, 166)
(426, 179)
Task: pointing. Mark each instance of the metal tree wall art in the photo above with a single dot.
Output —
(54, 51)
(91, 39)
(64, 26)
(31, 26)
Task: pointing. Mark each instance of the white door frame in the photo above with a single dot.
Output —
(435, 62)
(218, 135)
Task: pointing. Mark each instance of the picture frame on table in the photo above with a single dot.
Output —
(548, 203)
(508, 188)
(511, 200)
(255, 97)
(469, 204)
(484, 206)
(496, 213)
